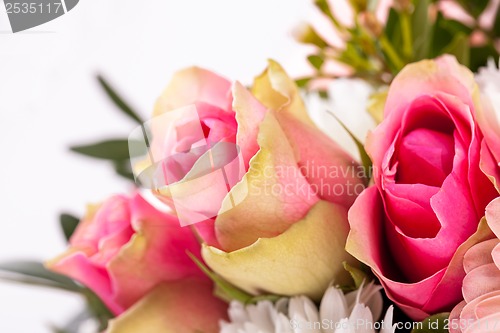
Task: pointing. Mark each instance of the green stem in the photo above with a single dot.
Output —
(407, 35)
(393, 56)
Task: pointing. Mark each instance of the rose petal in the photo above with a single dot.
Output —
(77, 266)
(479, 255)
(335, 174)
(185, 306)
(489, 305)
(193, 85)
(303, 260)
(480, 281)
(490, 166)
(249, 114)
(455, 318)
(277, 91)
(138, 268)
(493, 216)
(469, 313)
(271, 196)
(437, 293)
(490, 324)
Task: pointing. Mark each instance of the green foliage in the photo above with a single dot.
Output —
(68, 224)
(114, 149)
(228, 292)
(365, 159)
(475, 7)
(119, 101)
(459, 47)
(414, 30)
(316, 61)
(34, 273)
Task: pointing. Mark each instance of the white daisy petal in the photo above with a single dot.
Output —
(338, 313)
(333, 307)
(388, 326)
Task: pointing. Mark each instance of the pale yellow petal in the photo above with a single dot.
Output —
(303, 260)
(278, 92)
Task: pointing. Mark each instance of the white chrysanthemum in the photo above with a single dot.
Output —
(355, 312)
(488, 79)
(348, 100)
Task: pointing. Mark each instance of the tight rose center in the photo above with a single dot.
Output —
(425, 157)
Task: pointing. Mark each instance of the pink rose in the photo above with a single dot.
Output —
(283, 177)
(411, 228)
(125, 249)
(480, 310)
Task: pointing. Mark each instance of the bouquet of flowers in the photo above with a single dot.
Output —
(251, 213)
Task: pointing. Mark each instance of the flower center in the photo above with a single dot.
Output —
(425, 156)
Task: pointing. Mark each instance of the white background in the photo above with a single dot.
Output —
(49, 99)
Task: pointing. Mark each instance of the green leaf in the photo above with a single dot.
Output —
(124, 169)
(422, 29)
(392, 30)
(474, 7)
(365, 159)
(34, 273)
(68, 224)
(455, 27)
(440, 37)
(357, 275)
(479, 56)
(434, 324)
(224, 289)
(496, 25)
(359, 5)
(459, 47)
(98, 309)
(316, 61)
(302, 82)
(119, 102)
(115, 149)
(324, 7)
(323, 94)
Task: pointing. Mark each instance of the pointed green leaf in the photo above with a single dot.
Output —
(474, 7)
(224, 290)
(68, 224)
(316, 61)
(440, 36)
(365, 159)
(422, 29)
(115, 149)
(98, 309)
(479, 56)
(302, 82)
(496, 25)
(357, 275)
(119, 102)
(456, 27)
(124, 169)
(34, 273)
(459, 47)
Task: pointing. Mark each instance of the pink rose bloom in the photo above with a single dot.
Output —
(480, 310)
(125, 249)
(280, 171)
(412, 227)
